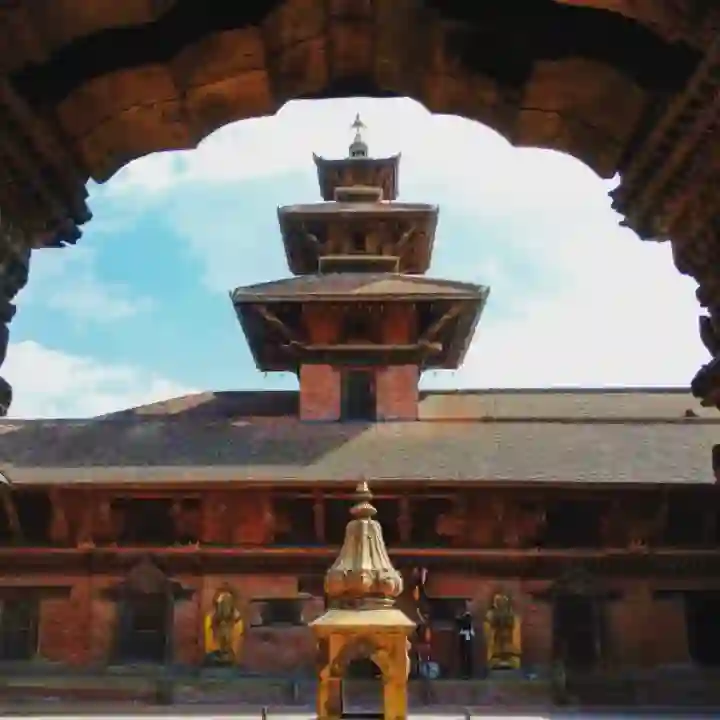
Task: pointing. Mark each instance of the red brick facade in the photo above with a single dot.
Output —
(396, 390)
(78, 629)
(319, 393)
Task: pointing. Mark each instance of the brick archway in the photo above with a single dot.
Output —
(626, 87)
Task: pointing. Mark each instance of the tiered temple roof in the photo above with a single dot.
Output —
(360, 252)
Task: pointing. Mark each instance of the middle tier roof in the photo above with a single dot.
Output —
(405, 230)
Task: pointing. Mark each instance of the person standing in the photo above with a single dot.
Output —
(466, 643)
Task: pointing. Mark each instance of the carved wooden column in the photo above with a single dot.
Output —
(404, 520)
(14, 271)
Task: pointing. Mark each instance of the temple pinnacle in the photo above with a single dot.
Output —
(358, 147)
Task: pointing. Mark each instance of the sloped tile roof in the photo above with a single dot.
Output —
(196, 444)
(361, 285)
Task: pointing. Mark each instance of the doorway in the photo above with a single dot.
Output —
(362, 689)
(575, 631)
(143, 628)
(702, 613)
(358, 396)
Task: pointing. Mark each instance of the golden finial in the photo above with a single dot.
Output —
(363, 573)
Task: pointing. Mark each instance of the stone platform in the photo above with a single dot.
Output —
(195, 691)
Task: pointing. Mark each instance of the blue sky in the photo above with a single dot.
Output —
(139, 310)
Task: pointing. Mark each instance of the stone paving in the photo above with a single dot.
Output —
(280, 715)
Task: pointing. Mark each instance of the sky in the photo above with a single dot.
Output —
(139, 310)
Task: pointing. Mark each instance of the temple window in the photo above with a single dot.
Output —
(147, 521)
(424, 515)
(444, 611)
(682, 525)
(34, 511)
(336, 513)
(702, 612)
(19, 621)
(301, 528)
(358, 400)
(144, 620)
(281, 611)
(358, 242)
(572, 524)
(576, 631)
(388, 512)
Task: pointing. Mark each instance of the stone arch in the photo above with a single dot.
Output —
(116, 96)
(83, 92)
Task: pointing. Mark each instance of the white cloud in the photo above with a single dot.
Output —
(67, 281)
(591, 304)
(51, 383)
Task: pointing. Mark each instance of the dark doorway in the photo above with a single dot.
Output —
(143, 628)
(575, 631)
(19, 629)
(358, 396)
(702, 611)
(362, 689)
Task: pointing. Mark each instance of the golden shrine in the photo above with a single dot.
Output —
(361, 621)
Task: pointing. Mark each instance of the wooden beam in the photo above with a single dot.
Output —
(437, 327)
(405, 238)
(275, 322)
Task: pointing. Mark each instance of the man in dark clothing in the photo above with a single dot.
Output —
(466, 643)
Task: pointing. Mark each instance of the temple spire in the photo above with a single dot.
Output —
(358, 147)
(363, 575)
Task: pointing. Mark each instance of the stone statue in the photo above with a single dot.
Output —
(224, 629)
(502, 629)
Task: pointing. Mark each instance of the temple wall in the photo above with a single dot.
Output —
(78, 626)
(646, 630)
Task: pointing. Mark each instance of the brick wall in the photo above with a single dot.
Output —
(536, 616)
(319, 393)
(60, 620)
(396, 390)
(646, 631)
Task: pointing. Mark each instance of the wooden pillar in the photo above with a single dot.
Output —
(319, 517)
(404, 520)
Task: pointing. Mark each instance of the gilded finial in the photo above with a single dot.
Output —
(363, 508)
(363, 572)
(358, 147)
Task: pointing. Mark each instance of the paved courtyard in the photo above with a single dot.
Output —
(224, 715)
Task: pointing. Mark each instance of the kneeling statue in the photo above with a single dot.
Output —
(224, 629)
(502, 629)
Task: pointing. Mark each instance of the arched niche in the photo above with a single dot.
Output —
(145, 603)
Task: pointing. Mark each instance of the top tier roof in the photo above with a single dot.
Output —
(345, 172)
(358, 168)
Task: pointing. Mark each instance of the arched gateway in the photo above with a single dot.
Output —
(593, 510)
(626, 87)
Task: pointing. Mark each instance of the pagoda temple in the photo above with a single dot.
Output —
(359, 322)
(531, 529)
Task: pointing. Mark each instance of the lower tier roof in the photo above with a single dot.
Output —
(147, 445)
(366, 286)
